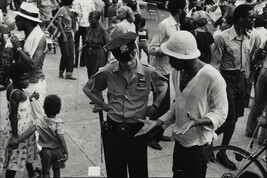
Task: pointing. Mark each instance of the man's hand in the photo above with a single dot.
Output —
(148, 125)
(191, 123)
(15, 41)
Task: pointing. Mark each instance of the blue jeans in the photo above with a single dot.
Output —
(67, 53)
(259, 102)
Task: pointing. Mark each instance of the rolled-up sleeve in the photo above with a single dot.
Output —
(159, 82)
(217, 52)
(218, 104)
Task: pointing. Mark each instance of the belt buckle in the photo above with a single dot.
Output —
(123, 128)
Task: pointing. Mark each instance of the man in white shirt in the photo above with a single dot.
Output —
(83, 9)
(200, 106)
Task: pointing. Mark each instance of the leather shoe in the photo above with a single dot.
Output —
(155, 145)
(249, 135)
(224, 160)
(165, 138)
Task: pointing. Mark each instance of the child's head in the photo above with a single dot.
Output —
(52, 105)
(19, 74)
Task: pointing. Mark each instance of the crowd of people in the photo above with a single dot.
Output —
(213, 52)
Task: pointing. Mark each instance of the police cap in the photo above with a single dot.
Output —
(122, 45)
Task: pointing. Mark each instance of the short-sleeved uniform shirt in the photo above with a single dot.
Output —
(127, 100)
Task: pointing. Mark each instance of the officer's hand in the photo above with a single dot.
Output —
(191, 123)
(150, 111)
(148, 125)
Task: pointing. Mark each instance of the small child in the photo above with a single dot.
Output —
(51, 129)
(142, 32)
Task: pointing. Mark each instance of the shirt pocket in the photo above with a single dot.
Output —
(115, 94)
(234, 51)
(140, 91)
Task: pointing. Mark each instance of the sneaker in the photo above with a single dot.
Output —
(155, 145)
(264, 159)
(70, 77)
(224, 160)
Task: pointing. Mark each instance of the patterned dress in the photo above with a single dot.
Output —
(15, 159)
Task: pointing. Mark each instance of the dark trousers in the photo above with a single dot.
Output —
(96, 58)
(236, 92)
(124, 150)
(81, 32)
(67, 53)
(163, 108)
(190, 162)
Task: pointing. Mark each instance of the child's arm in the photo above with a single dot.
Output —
(146, 33)
(64, 146)
(24, 136)
(13, 118)
(15, 98)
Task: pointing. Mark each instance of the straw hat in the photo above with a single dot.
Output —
(29, 11)
(181, 45)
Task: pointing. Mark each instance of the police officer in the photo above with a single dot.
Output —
(128, 83)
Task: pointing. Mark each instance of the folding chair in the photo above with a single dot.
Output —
(152, 8)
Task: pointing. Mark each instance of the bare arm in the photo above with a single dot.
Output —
(64, 146)
(38, 55)
(15, 99)
(93, 95)
(13, 117)
(24, 136)
(59, 23)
